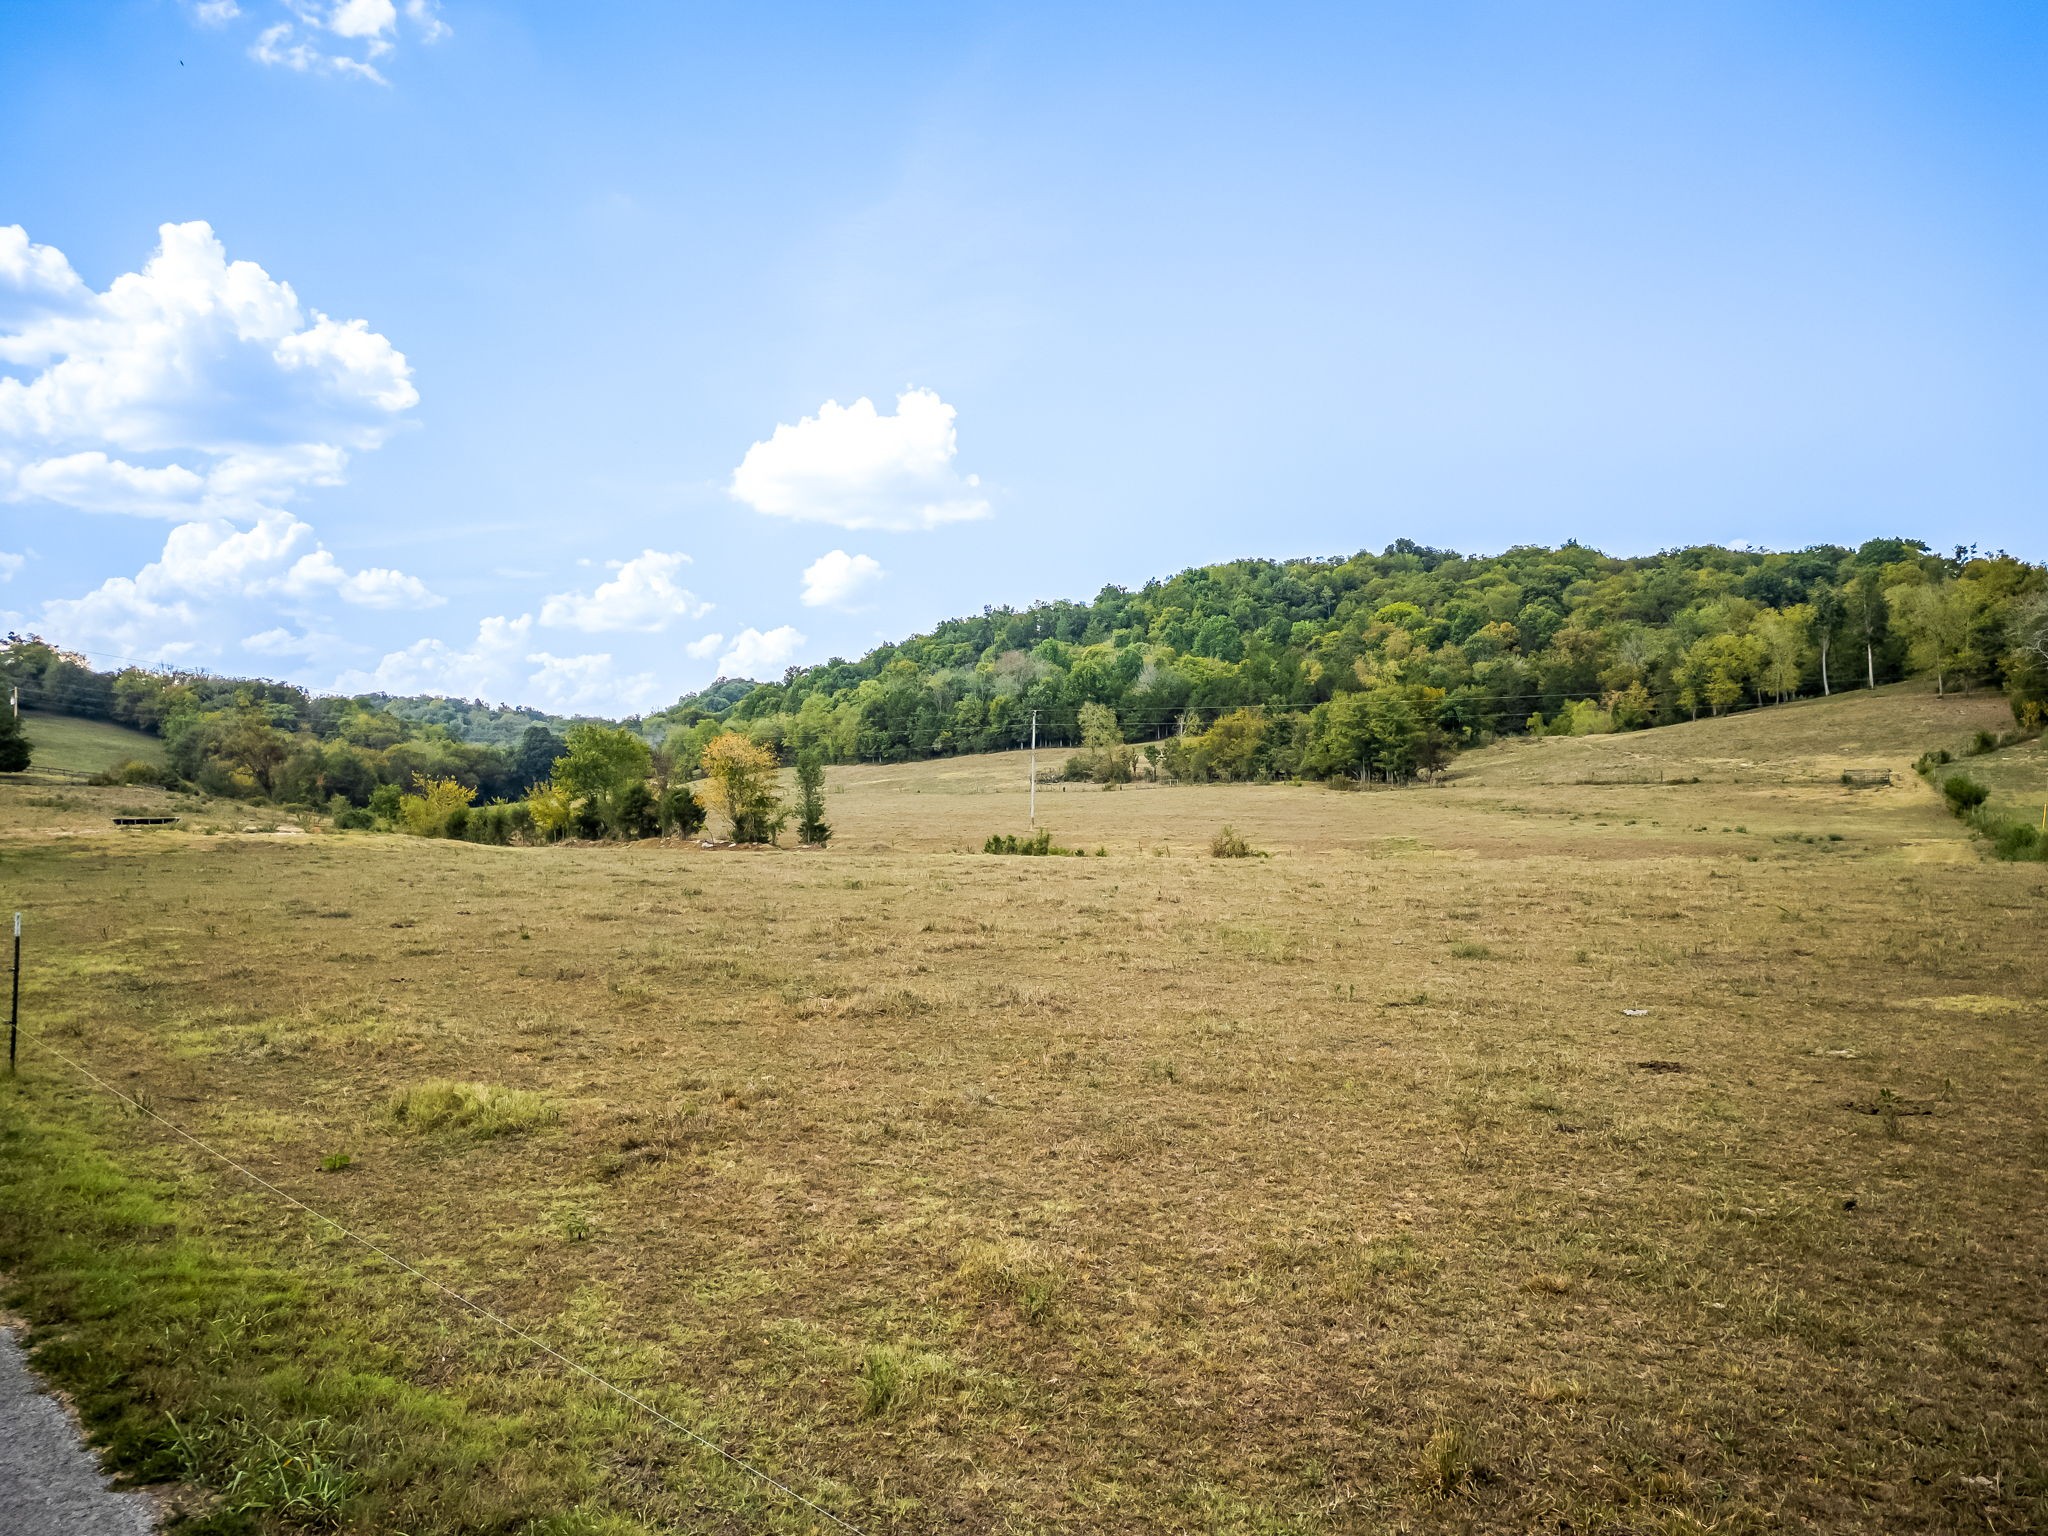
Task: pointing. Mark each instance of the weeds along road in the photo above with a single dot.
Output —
(50, 1485)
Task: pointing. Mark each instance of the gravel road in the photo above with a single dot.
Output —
(50, 1485)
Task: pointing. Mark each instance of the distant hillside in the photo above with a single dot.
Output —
(1385, 665)
(472, 720)
(1368, 667)
(68, 745)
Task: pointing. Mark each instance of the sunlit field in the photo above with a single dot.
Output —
(1629, 1134)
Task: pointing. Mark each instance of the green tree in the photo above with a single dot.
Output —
(603, 766)
(534, 758)
(810, 798)
(1868, 617)
(678, 812)
(2026, 667)
(1829, 614)
(15, 747)
(1937, 618)
(1782, 639)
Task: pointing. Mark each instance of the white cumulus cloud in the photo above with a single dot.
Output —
(758, 655)
(643, 595)
(201, 390)
(856, 468)
(698, 649)
(198, 593)
(194, 385)
(9, 564)
(502, 665)
(834, 580)
(215, 13)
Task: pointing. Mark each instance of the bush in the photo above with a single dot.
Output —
(1229, 844)
(1981, 743)
(1039, 845)
(353, 820)
(679, 812)
(2017, 840)
(634, 814)
(134, 771)
(1963, 793)
(500, 823)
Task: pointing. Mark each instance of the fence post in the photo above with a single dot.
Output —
(14, 1002)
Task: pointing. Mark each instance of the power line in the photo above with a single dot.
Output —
(766, 1478)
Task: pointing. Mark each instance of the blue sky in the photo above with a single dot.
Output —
(520, 349)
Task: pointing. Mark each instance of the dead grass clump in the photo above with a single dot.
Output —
(485, 1110)
(1231, 844)
(1450, 1459)
(1014, 1272)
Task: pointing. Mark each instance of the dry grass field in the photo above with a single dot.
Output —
(1562, 1148)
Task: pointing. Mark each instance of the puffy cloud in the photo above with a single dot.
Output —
(833, 580)
(9, 564)
(339, 37)
(196, 594)
(282, 642)
(362, 18)
(194, 385)
(215, 13)
(375, 587)
(697, 649)
(502, 665)
(201, 390)
(643, 595)
(757, 655)
(92, 482)
(856, 468)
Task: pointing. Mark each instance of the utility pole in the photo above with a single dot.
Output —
(1034, 770)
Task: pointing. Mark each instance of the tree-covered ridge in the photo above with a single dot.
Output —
(1373, 666)
(491, 725)
(1384, 664)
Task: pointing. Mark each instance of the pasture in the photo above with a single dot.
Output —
(71, 748)
(1635, 1133)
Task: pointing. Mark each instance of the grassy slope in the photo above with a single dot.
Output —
(68, 745)
(2017, 777)
(1309, 1194)
(1807, 741)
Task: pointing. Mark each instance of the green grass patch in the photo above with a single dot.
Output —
(484, 1110)
(67, 744)
(189, 1363)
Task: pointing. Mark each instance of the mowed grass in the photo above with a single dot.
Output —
(65, 744)
(1517, 1154)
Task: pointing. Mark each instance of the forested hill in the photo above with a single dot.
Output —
(1373, 666)
(1383, 664)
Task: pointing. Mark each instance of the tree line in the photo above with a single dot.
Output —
(1370, 667)
(1384, 666)
(370, 766)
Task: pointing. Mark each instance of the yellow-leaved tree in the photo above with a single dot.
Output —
(740, 785)
(551, 807)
